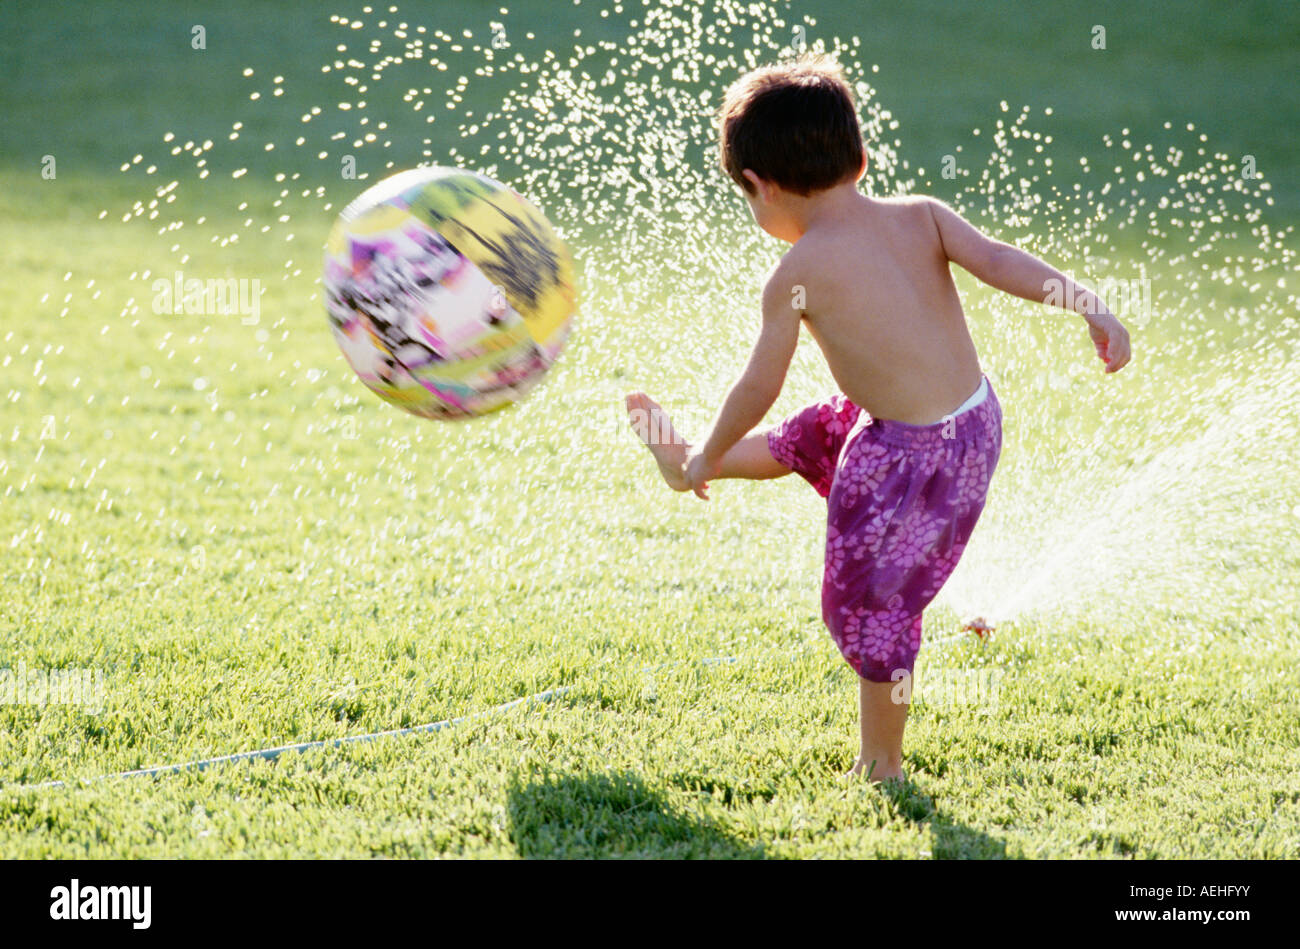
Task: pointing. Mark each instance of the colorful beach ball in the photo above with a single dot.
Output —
(448, 292)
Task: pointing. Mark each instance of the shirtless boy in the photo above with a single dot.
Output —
(904, 455)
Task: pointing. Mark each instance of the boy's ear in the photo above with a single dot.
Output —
(762, 188)
(863, 170)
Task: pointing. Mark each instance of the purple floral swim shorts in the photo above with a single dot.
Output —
(902, 502)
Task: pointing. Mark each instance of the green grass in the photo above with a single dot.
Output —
(253, 551)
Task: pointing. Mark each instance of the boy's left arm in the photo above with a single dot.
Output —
(758, 386)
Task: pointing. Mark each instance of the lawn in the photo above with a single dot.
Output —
(213, 516)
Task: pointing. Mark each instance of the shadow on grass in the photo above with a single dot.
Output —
(953, 840)
(610, 815)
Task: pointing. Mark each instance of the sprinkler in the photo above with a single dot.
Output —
(979, 626)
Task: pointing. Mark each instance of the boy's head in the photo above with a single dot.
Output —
(793, 125)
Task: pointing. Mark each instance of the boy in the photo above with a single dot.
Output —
(905, 455)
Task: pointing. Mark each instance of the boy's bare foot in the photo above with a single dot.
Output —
(653, 426)
(873, 772)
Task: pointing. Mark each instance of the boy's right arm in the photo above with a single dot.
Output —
(1017, 272)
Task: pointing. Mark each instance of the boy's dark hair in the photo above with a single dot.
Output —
(794, 124)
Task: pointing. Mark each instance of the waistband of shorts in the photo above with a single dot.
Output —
(971, 425)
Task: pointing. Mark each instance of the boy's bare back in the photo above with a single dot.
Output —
(881, 304)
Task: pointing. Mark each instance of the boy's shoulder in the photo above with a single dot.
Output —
(920, 207)
(816, 250)
(791, 272)
(907, 199)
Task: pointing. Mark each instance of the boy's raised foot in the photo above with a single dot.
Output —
(653, 426)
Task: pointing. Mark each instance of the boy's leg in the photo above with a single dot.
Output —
(748, 458)
(883, 719)
(752, 458)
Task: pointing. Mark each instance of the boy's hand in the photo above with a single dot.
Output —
(1111, 339)
(700, 470)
